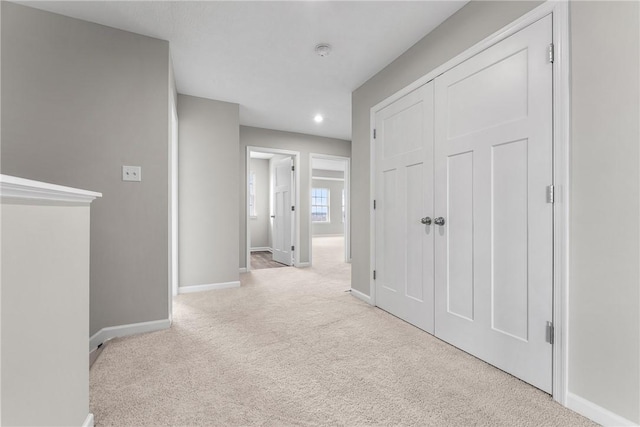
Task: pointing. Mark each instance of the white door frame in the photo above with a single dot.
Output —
(561, 169)
(173, 203)
(347, 203)
(295, 155)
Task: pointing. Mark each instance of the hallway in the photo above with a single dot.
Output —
(291, 347)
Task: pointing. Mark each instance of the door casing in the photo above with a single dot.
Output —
(296, 217)
(347, 201)
(561, 169)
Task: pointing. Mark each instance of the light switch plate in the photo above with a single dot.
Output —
(131, 173)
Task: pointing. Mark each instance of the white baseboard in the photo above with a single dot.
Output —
(261, 249)
(88, 422)
(208, 287)
(106, 334)
(243, 270)
(302, 264)
(596, 413)
(361, 296)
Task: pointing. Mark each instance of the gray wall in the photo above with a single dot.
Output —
(335, 225)
(604, 300)
(327, 173)
(603, 355)
(259, 226)
(208, 186)
(79, 100)
(305, 144)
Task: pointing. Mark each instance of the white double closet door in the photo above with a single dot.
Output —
(464, 232)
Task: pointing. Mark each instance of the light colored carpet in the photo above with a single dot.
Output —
(291, 347)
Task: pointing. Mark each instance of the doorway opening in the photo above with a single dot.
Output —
(329, 211)
(271, 199)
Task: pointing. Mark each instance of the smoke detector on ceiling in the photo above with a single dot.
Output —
(323, 49)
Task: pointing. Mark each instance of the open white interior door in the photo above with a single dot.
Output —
(281, 217)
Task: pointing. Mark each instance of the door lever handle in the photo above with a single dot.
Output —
(439, 221)
(273, 216)
(426, 220)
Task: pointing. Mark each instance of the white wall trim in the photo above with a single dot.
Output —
(561, 175)
(561, 119)
(596, 413)
(243, 270)
(20, 188)
(105, 334)
(208, 287)
(303, 264)
(361, 296)
(89, 421)
(261, 249)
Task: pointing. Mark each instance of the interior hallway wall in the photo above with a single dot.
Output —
(208, 187)
(259, 225)
(604, 303)
(305, 144)
(604, 297)
(79, 100)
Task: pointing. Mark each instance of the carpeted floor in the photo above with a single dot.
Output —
(291, 347)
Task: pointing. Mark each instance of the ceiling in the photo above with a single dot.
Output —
(261, 54)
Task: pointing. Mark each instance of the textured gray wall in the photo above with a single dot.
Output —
(604, 354)
(604, 301)
(259, 226)
(305, 144)
(208, 186)
(79, 100)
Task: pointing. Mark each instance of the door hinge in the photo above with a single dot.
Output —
(374, 275)
(293, 248)
(374, 204)
(374, 134)
(293, 208)
(550, 53)
(550, 332)
(293, 168)
(551, 194)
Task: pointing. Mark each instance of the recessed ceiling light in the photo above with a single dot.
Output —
(318, 118)
(323, 49)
